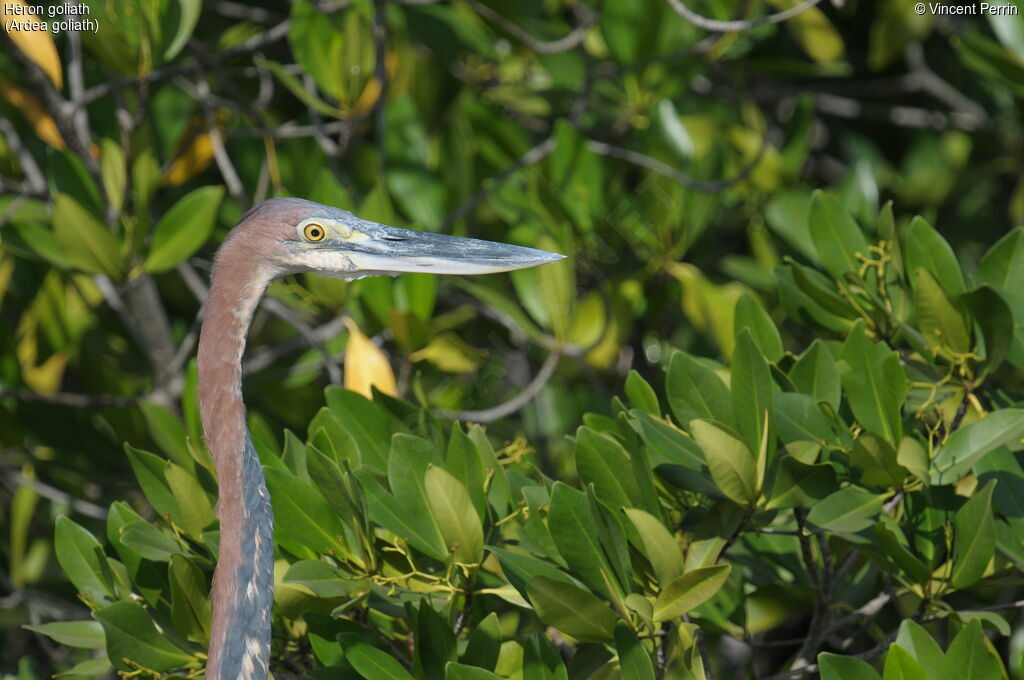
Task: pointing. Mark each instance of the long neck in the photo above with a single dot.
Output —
(243, 579)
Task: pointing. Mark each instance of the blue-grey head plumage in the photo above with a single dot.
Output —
(330, 237)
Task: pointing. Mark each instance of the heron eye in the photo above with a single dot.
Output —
(313, 232)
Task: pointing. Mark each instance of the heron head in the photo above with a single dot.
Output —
(308, 236)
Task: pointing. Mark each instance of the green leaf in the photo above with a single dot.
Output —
(926, 249)
(366, 422)
(420, 530)
(86, 243)
(974, 538)
(752, 389)
(943, 323)
(1002, 267)
(815, 33)
(971, 442)
(114, 173)
(322, 579)
(150, 471)
(571, 610)
(576, 534)
(183, 229)
(132, 636)
(149, 541)
(603, 462)
(145, 180)
(189, 496)
(876, 460)
(90, 668)
(190, 605)
(187, 15)
(913, 638)
(666, 443)
(660, 546)
(815, 373)
(848, 510)
(689, 591)
(731, 463)
(435, 644)
(694, 391)
(752, 316)
(634, 660)
(295, 86)
(641, 395)
(890, 537)
(799, 418)
(806, 309)
(836, 667)
(798, 484)
(787, 215)
(836, 236)
(971, 655)
(541, 661)
(875, 384)
(484, 644)
(304, 521)
(168, 432)
(458, 671)
(373, 664)
(501, 303)
(457, 519)
(83, 634)
(995, 318)
(466, 463)
(82, 559)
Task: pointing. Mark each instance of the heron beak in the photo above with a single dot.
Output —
(392, 250)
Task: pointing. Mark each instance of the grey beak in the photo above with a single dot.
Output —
(393, 250)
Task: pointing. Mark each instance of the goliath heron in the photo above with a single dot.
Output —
(279, 237)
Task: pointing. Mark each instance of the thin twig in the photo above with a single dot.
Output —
(667, 170)
(574, 38)
(257, 42)
(57, 496)
(72, 399)
(514, 404)
(720, 26)
(34, 177)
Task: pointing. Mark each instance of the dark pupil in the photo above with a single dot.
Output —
(315, 233)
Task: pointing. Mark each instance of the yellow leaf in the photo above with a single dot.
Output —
(34, 112)
(193, 160)
(37, 45)
(43, 378)
(449, 353)
(366, 365)
(815, 33)
(367, 98)
(707, 306)
(193, 151)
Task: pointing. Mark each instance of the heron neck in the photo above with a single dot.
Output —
(242, 506)
(236, 288)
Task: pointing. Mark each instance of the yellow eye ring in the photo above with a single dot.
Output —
(314, 232)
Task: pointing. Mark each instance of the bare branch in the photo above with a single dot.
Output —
(534, 155)
(489, 415)
(667, 170)
(57, 496)
(247, 12)
(72, 399)
(574, 38)
(257, 42)
(220, 154)
(732, 26)
(34, 178)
